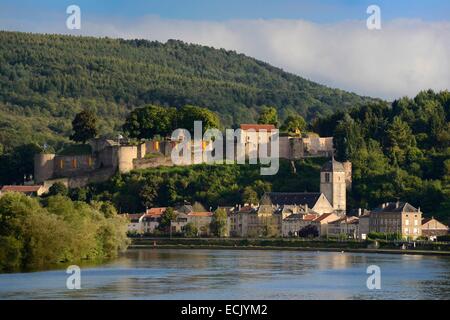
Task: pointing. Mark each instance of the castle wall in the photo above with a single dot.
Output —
(107, 157)
(284, 148)
(152, 162)
(297, 148)
(125, 156)
(43, 167)
(67, 166)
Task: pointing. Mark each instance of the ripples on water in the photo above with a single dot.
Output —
(240, 274)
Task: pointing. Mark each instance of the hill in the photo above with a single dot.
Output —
(46, 79)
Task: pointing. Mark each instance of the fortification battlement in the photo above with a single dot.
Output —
(112, 156)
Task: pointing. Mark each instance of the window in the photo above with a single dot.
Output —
(406, 230)
(415, 230)
(327, 177)
(74, 163)
(407, 223)
(416, 222)
(61, 164)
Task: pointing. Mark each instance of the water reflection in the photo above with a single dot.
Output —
(240, 274)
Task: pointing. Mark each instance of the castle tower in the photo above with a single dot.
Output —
(43, 167)
(333, 184)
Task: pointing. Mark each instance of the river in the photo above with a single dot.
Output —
(240, 274)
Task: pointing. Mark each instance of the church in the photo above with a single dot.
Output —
(282, 213)
(335, 180)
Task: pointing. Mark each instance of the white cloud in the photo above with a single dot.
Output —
(406, 56)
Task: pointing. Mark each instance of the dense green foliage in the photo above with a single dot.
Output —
(268, 115)
(46, 79)
(150, 121)
(399, 151)
(84, 126)
(34, 234)
(211, 185)
(294, 123)
(219, 223)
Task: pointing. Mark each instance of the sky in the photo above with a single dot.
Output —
(326, 41)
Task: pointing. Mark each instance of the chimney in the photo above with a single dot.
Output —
(397, 204)
(383, 205)
(359, 212)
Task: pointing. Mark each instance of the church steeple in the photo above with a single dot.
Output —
(333, 184)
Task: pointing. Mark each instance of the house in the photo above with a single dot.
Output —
(397, 217)
(255, 221)
(364, 226)
(292, 224)
(431, 228)
(347, 227)
(321, 222)
(315, 201)
(29, 190)
(202, 221)
(135, 225)
(151, 219)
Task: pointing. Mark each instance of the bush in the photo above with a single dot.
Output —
(58, 230)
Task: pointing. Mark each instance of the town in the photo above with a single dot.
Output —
(320, 214)
(297, 214)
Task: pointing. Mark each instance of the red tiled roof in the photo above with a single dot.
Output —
(21, 188)
(309, 217)
(246, 209)
(155, 211)
(200, 214)
(323, 216)
(257, 127)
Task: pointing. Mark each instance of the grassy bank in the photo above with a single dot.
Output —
(294, 244)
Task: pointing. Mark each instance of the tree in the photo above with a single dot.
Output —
(84, 126)
(148, 121)
(309, 231)
(219, 223)
(58, 188)
(188, 114)
(18, 163)
(190, 230)
(399, 139)
(249, 195)
(268, 115)
(166, 219)
(294, 123)
(149, 193)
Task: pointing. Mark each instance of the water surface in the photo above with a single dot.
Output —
(240, 274)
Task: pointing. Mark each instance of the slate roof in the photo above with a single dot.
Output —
(396, 207)
(291, 198)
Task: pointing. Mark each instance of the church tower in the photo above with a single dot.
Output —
(333, 184)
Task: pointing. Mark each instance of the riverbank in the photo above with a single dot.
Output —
(390, 247)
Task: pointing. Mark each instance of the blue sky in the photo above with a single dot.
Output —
(324, 11)
(326, 41)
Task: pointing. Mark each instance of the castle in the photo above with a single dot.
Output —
(110, 156)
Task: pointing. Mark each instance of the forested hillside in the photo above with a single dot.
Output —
(399, 151)
(46, 79)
